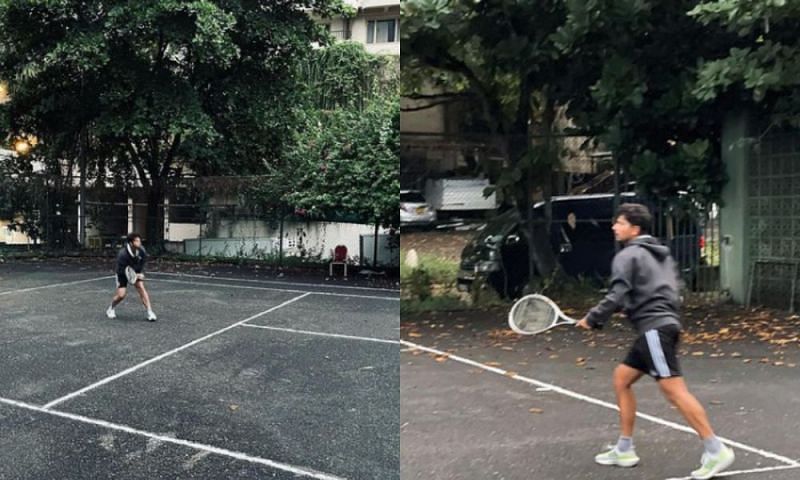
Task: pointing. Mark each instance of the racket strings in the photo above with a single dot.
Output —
(533, 315)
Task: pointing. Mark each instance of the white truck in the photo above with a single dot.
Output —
(459, 195)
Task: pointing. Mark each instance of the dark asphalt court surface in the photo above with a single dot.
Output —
(461, 421)
(312, 395)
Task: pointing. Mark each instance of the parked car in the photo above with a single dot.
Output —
(580, 236)
(414, 210)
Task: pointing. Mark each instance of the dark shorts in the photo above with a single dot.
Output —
(655, 353)
(122, 280)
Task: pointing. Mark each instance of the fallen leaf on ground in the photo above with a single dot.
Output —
(746, 360)
(536, 410)
(234, 408)
(698, 354)
(494, 364)
(415, 335)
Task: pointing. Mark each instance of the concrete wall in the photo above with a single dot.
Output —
(734, 228)
(299, 238)
(12, 237)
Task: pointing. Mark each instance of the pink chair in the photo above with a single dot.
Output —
(339, 258)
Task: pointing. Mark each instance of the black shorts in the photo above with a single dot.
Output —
(655, 353)
(122, 280)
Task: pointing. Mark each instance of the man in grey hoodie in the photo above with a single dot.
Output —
(644, 284)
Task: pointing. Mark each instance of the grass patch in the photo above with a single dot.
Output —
(442, 271)
(442, 303)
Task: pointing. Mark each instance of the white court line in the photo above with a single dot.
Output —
(596, 401)
(742, 472)
(223, 285)
(275, 282)
(322, 334)
(55, 285)
(167, 354)
(306, 472)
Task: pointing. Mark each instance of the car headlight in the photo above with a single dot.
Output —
(487, 266)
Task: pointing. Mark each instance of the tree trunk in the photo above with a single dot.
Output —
(543, 260)
(155, 215)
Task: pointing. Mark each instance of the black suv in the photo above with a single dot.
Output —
(580, 235)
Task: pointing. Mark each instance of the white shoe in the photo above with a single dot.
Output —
(151, 316)
(714, 464)
(110, 313)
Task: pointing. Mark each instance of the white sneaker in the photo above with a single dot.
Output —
(151, 316)
(110, 313)
(714, 464)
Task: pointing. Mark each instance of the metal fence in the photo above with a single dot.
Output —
(694, 240)
(192, 225)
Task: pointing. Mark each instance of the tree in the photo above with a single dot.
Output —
(343, 161)
(761, 67)
(347, 162)
(640, 60)
(502, 54)
(149, 89)
(624, 72)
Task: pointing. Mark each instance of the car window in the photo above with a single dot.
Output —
(412, 197)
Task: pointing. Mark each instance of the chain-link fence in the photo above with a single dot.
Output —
(191, 223)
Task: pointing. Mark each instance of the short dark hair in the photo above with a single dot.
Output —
(133, 236)
(637, 214)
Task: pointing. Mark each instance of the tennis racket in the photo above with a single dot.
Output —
(130, 273)
(536, 313)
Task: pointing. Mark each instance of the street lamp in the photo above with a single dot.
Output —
(22, 147)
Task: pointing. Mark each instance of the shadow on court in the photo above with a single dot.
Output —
(237, 379)
(462, 420)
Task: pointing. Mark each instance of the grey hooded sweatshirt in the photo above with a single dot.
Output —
(644, 283)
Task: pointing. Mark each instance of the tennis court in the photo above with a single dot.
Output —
(478, 404)
(239, 378)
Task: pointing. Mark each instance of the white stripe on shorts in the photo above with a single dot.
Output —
(657, 353)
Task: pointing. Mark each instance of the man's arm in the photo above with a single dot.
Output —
(139, 266)
(621, 283)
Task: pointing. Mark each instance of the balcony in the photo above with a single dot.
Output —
(341, 34)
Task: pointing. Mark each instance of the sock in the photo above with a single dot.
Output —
(713, 445)
(624, 444)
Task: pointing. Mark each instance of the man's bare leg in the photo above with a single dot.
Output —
(674, 388)
(143, 295)
(624, 378)
(145, 300)
(119, 296)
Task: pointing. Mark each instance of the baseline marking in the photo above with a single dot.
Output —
(223, 285)
(596, 401)
(322, 334)
(54, 285)
(276, 282)
(742, 472)
(303, 471)
(167, 354)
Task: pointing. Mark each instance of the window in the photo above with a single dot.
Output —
(382, 31)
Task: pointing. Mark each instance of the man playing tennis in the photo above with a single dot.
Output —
(645, 284)
(132, 255)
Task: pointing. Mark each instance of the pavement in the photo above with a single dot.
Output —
(479, 402)
(239, 378)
